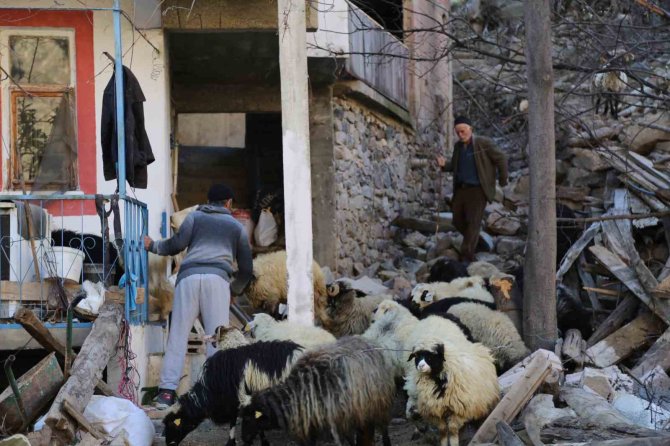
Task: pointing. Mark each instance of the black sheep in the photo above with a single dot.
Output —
(446, 270)
(216, 394)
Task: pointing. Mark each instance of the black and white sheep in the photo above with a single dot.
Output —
(269, 286)
(453, 381)
(265, 328)
(343, 313)
(446, 270)
(424, 294)
(607, 86)
(226, 379)
(341, 389)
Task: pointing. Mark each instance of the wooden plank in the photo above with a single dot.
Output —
(622, 313)
(576, 249)
(506, 436)
(657, 356)
(93, 357)
(587, 280)
(39, 292)
(514, 400)
(574, 347)
(621, 344)
(69, 408)
(629, 278)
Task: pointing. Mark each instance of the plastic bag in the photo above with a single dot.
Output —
(265, 233)
(115, 415)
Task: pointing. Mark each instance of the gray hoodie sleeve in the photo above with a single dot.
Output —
(178, 242)
(244, 264)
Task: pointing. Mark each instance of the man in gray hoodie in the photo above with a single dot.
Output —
(214, 240)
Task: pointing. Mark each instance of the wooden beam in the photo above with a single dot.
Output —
(576, 249)
(41, 334)
(623, 312)
(621, 344)
(39, 292)
(657, 355)
(93, 357)
(622, 272)
(514, 400)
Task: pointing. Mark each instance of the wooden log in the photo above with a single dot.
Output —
(574, 347)
(623, 312)
(41, 334)
(583, 432)
(662, 291)
(657, 356)
(421, 225)
(81, 420)
(87, 369)
(621, 344)
(576, 249)
(512, 403)
(596, 410)
(622, 272)
(506, 435)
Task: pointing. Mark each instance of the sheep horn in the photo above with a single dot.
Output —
(333, 289)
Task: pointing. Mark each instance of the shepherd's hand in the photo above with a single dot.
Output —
(147, 242)
(441, 161)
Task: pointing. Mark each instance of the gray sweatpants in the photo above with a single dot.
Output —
(204, 294)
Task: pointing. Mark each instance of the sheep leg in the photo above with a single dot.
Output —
(264, 441)
(231, 434)
(366, 436)
(386, 439)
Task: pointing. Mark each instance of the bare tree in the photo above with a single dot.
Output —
(539, 300)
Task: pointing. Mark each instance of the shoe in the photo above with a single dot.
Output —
(164, 399)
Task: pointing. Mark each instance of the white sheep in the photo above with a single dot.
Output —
(391, 326)
(265, 328)
(345, 314)
(493, 329)
(269, 285)
(454, 381)
(471, 287)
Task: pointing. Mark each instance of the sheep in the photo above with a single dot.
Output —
(265, 328)
(224, 384)
(339, 388)
(269, 287)
(345, 314)
(608, 86)
(453, 381)
(472, 287)
(493, 329)
(390, 328)
(446, 270)
(226, 338)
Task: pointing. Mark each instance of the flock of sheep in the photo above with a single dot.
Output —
(446, 344)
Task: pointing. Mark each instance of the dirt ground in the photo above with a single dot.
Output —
(400, 431)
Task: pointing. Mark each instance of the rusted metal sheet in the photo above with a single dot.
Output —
(38, 386)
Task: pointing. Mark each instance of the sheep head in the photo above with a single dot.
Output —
(340, 295)
(431, 362)
(178, 426)
(422, 296)
(256, 418)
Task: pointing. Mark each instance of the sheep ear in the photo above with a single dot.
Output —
(258, 414)
(411, 356)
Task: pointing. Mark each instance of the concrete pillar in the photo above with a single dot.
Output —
(323, 176)
(296, 159)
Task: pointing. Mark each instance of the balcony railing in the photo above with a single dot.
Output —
(377, 57)
(49, 247)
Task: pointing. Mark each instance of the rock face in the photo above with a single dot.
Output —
(381, 170)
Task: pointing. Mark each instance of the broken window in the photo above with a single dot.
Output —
(41, 104)
(388, 13)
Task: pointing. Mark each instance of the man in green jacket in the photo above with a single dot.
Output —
(475, 163)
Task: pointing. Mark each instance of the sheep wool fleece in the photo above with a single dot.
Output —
(204, 294)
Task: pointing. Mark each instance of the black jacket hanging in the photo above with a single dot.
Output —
(138, 148)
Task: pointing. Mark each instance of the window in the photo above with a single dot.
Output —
(43, 152)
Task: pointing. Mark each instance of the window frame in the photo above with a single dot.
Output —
(11, 91)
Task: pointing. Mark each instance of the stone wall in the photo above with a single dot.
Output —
(381, 171)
